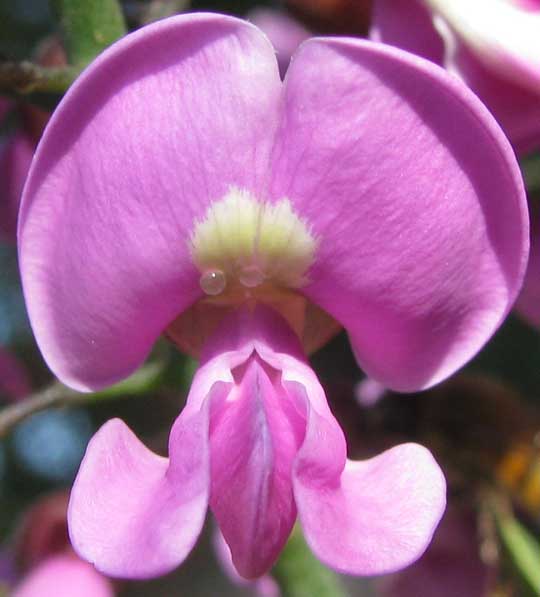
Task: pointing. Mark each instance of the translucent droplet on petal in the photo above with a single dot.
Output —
(251, 276)
(213, 282)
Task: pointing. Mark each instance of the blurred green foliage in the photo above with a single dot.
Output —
(523, 551)
(300, 574)
(88, 27)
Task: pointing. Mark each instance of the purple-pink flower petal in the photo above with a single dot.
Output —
(131, 513)
(264, 586)
(346, 508)
(162, 123)
(64, 575)
(255, 436)
(370, 517)
(373, 149)
(423, 233)
(257, 441)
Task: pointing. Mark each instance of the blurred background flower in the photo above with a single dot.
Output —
(46, 564)
(494, 47)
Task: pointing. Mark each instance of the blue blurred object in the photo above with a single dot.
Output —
(32, 12)
(50, 445)
(13, 320)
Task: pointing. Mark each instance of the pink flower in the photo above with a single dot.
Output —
(50, 566)
(64, 575)
(258, 443)
(182, 188)
(493, 45)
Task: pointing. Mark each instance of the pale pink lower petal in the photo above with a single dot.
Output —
(395, 164)
(255, 434)
(64, 576)
(370, 517)
(164, 122)
(133, 514)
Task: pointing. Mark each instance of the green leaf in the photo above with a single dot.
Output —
(179, 372)
(142, 381)
(161, 9)
(530, 168)
(523, 551)
(88, 27)
(300, 574)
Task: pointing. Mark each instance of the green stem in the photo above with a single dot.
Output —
(300, 574)
(57, 395)
(53, 396)
(24, 78)
(521, 547)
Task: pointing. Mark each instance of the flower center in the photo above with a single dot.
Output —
(250, 252)
(242, 243)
